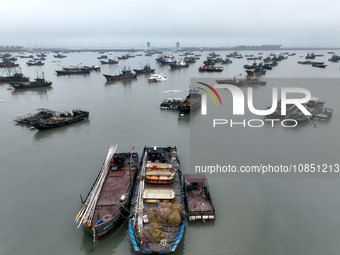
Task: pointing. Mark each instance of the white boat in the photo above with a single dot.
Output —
(157, 77)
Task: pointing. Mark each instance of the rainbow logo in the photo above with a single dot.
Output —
(209, 93)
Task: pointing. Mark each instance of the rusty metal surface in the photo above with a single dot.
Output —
(117, 183)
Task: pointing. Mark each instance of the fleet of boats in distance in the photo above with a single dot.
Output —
(148, 190)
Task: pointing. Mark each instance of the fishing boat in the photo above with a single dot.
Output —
(40, 113)
(59, 56)
(277, 113)
(179, 64)
(73, 70)
(267, 66)
(157, 221)
(7, 63)
(171, 103)
(157, 77)
(190, 60)
(35, 63)
(324, 114)
(214, 68)
(144, 70)
(102, 57)
(250, 66)
(109, 62)
(108, 201)
(206, 68)
(227, 61)
(256, 71)
(308, 62)
(123, 57)
(61, 119)
(334, 58)
(167, 61)
(124, 75)
(310, 56)
(197, 198)
(243, 82)
(319, 65)
(209, 62)
(15, 77)
(191, 102)
(313, 106)
(37, 83)
(95, 68)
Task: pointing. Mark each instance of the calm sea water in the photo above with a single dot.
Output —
(43, 172)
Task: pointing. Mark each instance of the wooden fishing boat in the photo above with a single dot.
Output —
(109, 198)
(157, 209)
(197, 197)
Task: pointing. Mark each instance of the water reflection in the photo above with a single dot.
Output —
(39, 91)
(106, 244)
(42, 134)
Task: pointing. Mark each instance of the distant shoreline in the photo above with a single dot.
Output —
(184, 49)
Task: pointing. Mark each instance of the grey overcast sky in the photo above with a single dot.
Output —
(131, 23)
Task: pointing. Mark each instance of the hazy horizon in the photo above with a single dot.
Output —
(131, 23)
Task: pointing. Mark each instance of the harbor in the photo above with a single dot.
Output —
(54, 166)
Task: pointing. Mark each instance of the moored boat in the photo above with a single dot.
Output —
(59, 56)
(319, 65)
(157, 222)
(35, 63)
(313, 106)
(73, 70)
(157, 77)
(15, 77)
(102, 57)
(171, 103)
(167, 61)
(61, 119)
(324, 114)
(7, 63)
(144, 70)
(197, 198)
(37, 83)
(256, 71)
(242, 82)
(277, 113)
(40, 113)
(109, 62)
(108, 201)
(179, 64)
(191, 102)
(124, 75)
